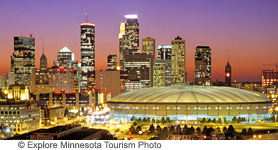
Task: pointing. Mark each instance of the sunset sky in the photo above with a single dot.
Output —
(246, 29)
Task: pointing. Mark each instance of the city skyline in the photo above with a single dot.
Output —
(247, 33)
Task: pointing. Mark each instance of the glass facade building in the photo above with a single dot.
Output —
(202, 73)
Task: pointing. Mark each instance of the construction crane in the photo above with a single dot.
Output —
(276, 65)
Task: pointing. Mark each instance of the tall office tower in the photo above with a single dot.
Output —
(269, 76)
(228, 75)
(10, 78)
(43, 61)
(65, 59)
(128, 38)
(139, 68)
(162, 72)
(164, 52)
(202, 73)
(178, 62)
(87, 57)
(23, 59)
(111, 62)
(148, 46)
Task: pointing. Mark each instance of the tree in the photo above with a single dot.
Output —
(224, 130)
(168, 120)
(163, 120)
(234, 120)
(219, 120)
(151, 129)
(66, 112)
(172, 129)
(243, 119)
(144, 119)
(153, 120)
(217, 130)
(239, 120)
(209, 120)
(244, 132)
(140, 119)
(184, 129)
(225, 120)
(178, 129)
(157, 121)
(132, 129)
(203, 120)
(148, 119)
(204, 130)
(231, 131)
(133, 118)
(138, 129)
(192, 130)
(250, 131)
(198, 130)
(158, 128)
(164, 133)
(214, 120)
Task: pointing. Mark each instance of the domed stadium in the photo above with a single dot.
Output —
(190, 103)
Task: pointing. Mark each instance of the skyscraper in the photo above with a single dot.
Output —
(112, 62)
(228, 75)
(65, 59)
(162, 72)
(178, 62)
(148, 46)
(202, 73)
(164, 52)
(23, 59)
(43, 61)
(87, 56)
(128, 38)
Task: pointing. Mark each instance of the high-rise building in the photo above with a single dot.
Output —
(111, 62)
(202, 73)
(43, 61)
(178, 62)
(162, 73)
(269, 76)
(108, 81)
(65, 59)
(87, 56)
(148, 46)
(2, 83)
(164, 52)
(139, 68)
(128, 38)
(228, 75)
(23, 59)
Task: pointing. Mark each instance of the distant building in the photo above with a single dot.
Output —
(53, 79)
(128, 38)
(139, 68)
(162, 73)
(10, 78)
(134, 85)
(43, 61)
(2, 83)
(23, 59)
(148, 46)
(268, 77)
(112, 62)
(228, 75)
(18, 112)
(164, 52)
(87, 56)
(178, 62)
(65, 59)
(108, 81)
(202, 73)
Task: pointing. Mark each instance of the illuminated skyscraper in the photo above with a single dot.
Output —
(228, 75)
(162, 72)
(178, 62)
(23, 59)
(202, 73)
(111, 62)
(128, 38)
(148, 46)
(87, 56)
(164, 52)
(65, 59)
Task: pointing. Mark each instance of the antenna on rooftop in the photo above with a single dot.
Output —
(43, 46)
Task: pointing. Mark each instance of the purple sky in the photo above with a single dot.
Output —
(247, 29)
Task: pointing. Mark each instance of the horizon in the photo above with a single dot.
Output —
(249, 36)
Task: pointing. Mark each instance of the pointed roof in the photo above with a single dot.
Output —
(65, 50)
(228, 65)
(43, 56)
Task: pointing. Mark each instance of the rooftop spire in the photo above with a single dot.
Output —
(43, 46)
